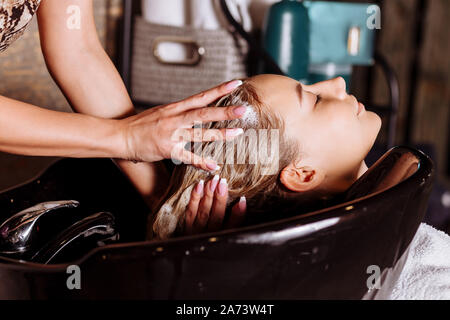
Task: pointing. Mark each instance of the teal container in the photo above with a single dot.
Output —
(286, 37)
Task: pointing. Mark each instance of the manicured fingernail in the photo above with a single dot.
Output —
(223, 186)
(240, 111)
(212, 166)
(234, 132)
(242, 204)
(199, 187)
(233, 85)
(214, 182)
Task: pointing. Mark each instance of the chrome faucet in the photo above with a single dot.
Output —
(16, 233)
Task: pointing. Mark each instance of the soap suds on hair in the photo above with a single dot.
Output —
(250, 116)
(167, 222)
(166, 209)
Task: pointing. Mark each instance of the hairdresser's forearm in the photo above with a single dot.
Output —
(97, 89)
(91, 82)
(79, 64)
(29, 130)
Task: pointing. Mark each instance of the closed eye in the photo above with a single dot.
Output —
(318, 98)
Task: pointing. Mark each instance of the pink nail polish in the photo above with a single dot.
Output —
(233, 85)
(242, 204)
(212, 166)
(214, 182)
(240, 111)
(223, 186)
(199, 187)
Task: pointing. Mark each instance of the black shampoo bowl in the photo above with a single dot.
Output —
(318, 255)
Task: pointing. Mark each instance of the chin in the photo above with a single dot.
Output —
(371, 129)
(374, 124)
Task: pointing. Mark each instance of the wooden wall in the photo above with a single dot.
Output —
(432, 106)
(431, 89)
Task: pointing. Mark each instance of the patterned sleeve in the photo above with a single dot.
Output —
(15, 15)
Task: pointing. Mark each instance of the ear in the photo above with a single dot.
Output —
(299, 178)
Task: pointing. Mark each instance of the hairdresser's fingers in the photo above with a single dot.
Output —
(212, 114)
(206, 97)
(200, 135)
(191, 212)
(204, 209)
(237, 214)
(180, 154)
(219, 206)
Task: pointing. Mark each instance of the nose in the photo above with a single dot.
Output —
(338, 88)
(334, 89)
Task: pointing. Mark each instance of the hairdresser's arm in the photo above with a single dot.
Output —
(29, 130)
(86, 75)
(92, 85)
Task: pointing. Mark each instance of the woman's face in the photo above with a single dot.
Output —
(333, 130)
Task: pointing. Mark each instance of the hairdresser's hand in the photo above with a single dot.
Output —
(162, 132)
(207, 206)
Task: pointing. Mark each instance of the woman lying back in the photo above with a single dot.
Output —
(300, 144)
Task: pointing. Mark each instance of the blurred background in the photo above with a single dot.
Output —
(413, 42)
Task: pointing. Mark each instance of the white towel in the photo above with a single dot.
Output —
(426, 275)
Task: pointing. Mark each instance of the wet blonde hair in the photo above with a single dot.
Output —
(244, 179)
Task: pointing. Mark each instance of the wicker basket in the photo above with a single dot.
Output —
(219, 57)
